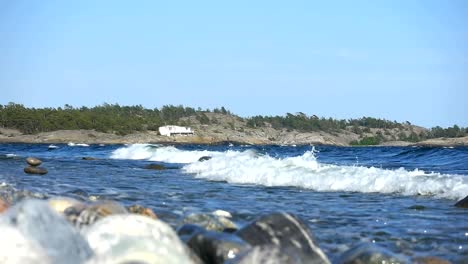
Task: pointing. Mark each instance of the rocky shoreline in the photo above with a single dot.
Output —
(36, 228)
(208, 136)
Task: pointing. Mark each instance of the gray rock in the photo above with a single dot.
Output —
(35, 170)
(287, 232)
(216, 247)
(37, 222)
(268, 254)
(368, 253)
(33, 161)
(135, 239)
(463, 203)
(209, 221)
(185, 232)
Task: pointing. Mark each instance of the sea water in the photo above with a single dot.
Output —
(400, 198)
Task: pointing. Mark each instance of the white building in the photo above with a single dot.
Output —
(175, 130)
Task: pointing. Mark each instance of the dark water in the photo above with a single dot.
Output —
(400, 198)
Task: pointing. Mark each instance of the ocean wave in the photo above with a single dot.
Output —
(160, 153)
(305, 171)
(71, 144)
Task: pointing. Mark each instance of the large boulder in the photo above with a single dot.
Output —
(18, 249)
(287, 232)
(43, 227)
(216, 247)
(133, 238)
(367, 253)
(463, 203)
(268, 254)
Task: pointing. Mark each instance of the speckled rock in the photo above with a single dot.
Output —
(209, 221)
(35, 170)
(216, 247)
(287, 232)
(33, 161)
(367, 253)
(41, 224)
(80, 215)
(138, 209)
(17, 249)
(135, 239)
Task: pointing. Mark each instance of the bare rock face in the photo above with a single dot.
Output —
(135, 239)
(287, 232)
(33, 161)
(47, 233)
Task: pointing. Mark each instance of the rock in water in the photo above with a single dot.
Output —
(17, 249)
(37, 222)
(204, 158)
(135, 239)
(463, 203)
(369, 253)
(287, 232)
(35, 170)
(33, 161)
(216, 247)
(155, 167)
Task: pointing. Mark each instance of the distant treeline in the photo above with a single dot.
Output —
(113, 118)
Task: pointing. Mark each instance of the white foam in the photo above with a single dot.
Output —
(71, 144)
(304, 171)
(158, 153)
(11, 155)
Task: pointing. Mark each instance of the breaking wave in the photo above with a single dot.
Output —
(250, 167)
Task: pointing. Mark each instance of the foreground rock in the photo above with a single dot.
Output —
(287, 232)
(135, 239)
(370, 253)
(463, 203)
(267, 254)
(45, 232)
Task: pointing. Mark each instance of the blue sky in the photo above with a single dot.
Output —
(399, 60)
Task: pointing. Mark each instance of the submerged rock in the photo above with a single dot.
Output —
(33, 161)
(37, 222)
(35, 170)
(216, 247)
(463, 203)
(88, 158)
(135, 239)
(155, 167)
(287, 232)
(138, 209)
(204, 158)
(368, 253)
(209, 221)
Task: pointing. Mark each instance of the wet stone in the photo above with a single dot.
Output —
(368, 253)
(35, 170)
(155, 167)
(268, 254)
(430, 260)
(37, 222)
(33, 161)
(204, 158)
(83, 215)
(287, 232)
(216, 247)
(138, 209)
(135, 239)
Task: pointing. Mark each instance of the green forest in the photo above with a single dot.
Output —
(122, 120)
